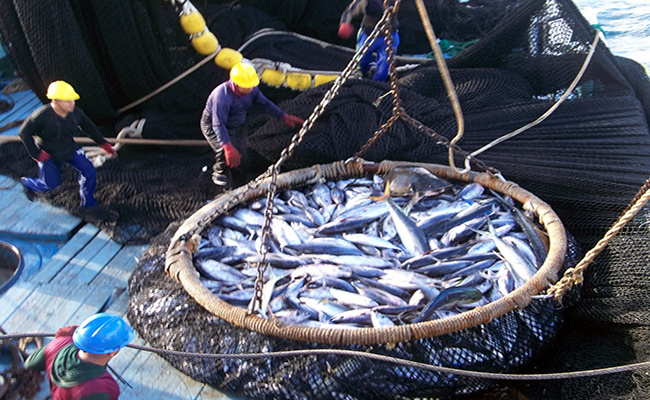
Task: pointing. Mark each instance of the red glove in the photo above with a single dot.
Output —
(292, 120)
(345, 30)
(44, 156)
(108, 148)
(66, 331)
(233, 157)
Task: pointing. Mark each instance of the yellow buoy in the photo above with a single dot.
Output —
(227, 58)
(300, 81)
(320, 79)
(192, 22)
(206, 43)
(273, 77)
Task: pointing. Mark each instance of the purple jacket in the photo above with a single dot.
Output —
(225, 110)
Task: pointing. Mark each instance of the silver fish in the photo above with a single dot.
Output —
(408, 181)
(326, 245)
(353, 299)
(412, 237)
(380, 320)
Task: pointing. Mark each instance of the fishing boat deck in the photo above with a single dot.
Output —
(73, 270)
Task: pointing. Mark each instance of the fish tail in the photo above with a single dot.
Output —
(384, 196)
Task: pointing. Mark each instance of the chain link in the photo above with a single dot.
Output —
(286, 153)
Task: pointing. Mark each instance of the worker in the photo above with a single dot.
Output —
(48, 134)
(75, 361)
(225, 110)
(372, 11)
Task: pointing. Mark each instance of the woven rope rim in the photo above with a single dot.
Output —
(179, 265)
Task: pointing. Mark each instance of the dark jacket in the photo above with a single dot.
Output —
(372, 11)
(226, 110)
(45, 130)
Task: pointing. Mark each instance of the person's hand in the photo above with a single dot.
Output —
(66, 331)
(44, 156)
(233, 157)
(292, 120)
(108, 148)
(345, 30)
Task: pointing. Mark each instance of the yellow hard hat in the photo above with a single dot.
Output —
(244, 75)
(60, 90)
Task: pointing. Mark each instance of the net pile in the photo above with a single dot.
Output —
(587, 160)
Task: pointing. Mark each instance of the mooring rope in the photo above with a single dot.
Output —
(376, 357)
(574, 276)
(446, 78)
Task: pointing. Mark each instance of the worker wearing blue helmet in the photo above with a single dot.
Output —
(75, 361)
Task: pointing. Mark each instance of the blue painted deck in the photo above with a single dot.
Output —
(73, 270)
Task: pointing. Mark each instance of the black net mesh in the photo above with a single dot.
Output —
(587, 160)
(168, 318)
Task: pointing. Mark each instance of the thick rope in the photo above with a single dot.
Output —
(446, 78)
(377, 357)
(574, 276)
(170, 83)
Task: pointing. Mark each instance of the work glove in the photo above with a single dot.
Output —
(233, 157)
(292, 120)
(345, 30)
(66, 331)
(44, 156)
(108, 148)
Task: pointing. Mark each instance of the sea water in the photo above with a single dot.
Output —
(626, 24)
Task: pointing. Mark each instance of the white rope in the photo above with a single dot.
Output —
(550, 111)
(98, 156)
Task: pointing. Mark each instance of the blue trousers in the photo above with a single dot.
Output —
(50, 177)
(378, 47)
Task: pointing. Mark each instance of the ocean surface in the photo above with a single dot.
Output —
(626, 24)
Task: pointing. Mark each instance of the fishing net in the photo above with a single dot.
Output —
(506, 342)
(587, 160)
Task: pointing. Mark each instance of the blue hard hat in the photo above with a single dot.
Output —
(102, 333)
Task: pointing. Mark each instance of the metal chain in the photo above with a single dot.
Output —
(287, 152)
(457, 149)
(387, 29)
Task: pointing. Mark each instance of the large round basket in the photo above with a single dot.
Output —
(179, 259)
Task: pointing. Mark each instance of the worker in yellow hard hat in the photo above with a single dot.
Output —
(225, 110)
(48, 134)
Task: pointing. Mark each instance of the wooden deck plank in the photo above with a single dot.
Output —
(36, 219)
(24, 103)
(97, 296)
(82, 268)
(48, 308)
(119, 269)
(12, 200)
(6, 183)
(49, 218)
(13, 298)
(43, 221)
(209, 393)
(66, 253)
(153, 377)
